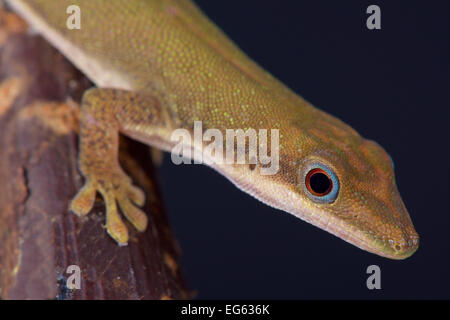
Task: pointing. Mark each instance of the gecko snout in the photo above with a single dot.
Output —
(406, 247)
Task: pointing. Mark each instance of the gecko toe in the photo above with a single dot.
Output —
(114, 224)
(135, 215)
(136, 195)
(83, 202)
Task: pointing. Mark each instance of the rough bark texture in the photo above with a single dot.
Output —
(40, 238)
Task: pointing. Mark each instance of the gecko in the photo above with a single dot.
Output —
(162, 65)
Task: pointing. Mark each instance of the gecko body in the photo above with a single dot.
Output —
(161, 65)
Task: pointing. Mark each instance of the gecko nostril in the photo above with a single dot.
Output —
(395, 245)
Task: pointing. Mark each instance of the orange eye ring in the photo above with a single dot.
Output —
(318, 182)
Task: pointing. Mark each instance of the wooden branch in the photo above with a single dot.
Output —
(40, 238)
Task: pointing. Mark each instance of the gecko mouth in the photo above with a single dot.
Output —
(397, 250)
(405, 244)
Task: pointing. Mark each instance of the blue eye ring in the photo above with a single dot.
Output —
(321, 183)
(392, 162)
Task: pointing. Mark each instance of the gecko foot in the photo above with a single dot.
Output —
(117, 188)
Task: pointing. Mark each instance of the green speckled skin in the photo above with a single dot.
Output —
(161, 65)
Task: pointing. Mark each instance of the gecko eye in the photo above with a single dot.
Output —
(321, 184)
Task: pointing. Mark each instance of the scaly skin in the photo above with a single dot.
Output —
(170, 66)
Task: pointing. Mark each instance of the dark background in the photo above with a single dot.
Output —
(392, 86)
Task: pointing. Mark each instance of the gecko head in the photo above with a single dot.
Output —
(346, 185)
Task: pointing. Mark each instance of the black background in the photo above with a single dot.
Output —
(392, 86)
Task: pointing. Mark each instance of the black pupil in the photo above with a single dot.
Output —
(320, 183)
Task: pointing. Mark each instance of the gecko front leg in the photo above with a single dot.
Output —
(103, 113)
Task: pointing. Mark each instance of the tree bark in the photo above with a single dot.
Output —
(40, 238)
